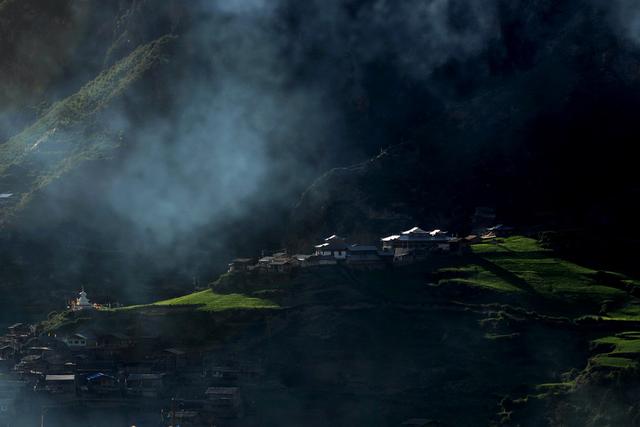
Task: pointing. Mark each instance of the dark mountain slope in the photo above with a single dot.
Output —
(548, 145)
(184, 165)
(77, 129)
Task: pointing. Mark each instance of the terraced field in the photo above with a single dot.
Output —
(210, 301)
(519, 265)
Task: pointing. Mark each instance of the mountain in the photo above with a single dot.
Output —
(159, 139)
(510, 332)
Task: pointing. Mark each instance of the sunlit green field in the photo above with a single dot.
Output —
(520, 265)
(209, 301)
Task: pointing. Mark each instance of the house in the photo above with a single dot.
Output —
(224, 401)
(145, 385)
(240, 264)
(282, 265)
(315, 260)
(278, 262)
(32, 364)
(265, 262)
(364, 255)
(60, 384)
(44, 341)
(404, 256)
(472, 238)
(499, 230)
(301, 259)
(417, 238)
(19, 330)
(333, 246)
(80, 341)
(102, 384)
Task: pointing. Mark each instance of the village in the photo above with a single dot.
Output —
(404, 248)
(42, 374)
(95, 369)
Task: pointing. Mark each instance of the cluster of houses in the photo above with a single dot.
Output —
(112, 366)
(398, 249)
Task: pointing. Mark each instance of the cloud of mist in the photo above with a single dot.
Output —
(247, 116)
(256, 96)
(626, 18)
(233, 138)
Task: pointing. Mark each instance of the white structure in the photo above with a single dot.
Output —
(417, 238)
(334, 246)
(82, 302)
(76, 341)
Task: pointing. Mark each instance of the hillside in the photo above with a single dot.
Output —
(155, 133)
(510, 332)
(146, 143)
(74, 131)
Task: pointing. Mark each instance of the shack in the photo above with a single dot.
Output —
(60, 384)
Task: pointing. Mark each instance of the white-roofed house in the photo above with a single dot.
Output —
(333, 246)
(415, 241)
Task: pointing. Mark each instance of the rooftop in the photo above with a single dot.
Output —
(222, 390)
(68, 377)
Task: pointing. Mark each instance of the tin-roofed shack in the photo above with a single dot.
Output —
(60, 384)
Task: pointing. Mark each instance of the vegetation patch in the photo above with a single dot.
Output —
(210, 301)
(623, 350)
(73, 130)
(521, 266)
(608, 361)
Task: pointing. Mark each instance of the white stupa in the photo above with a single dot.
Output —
(82, 302)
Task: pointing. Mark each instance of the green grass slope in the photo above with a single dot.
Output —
(73, 131)
(519, 265)
(210, 301)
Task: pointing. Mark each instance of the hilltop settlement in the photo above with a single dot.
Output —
(45, 376)
(403, 248)
(44, 372)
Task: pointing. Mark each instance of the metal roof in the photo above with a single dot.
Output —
(415, 230)
(94, 377)
(69, 377)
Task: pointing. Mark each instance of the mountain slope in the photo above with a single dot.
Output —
(75, 130)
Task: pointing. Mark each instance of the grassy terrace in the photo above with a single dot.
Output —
(519, 265)
(210, 301)
(624, 353)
